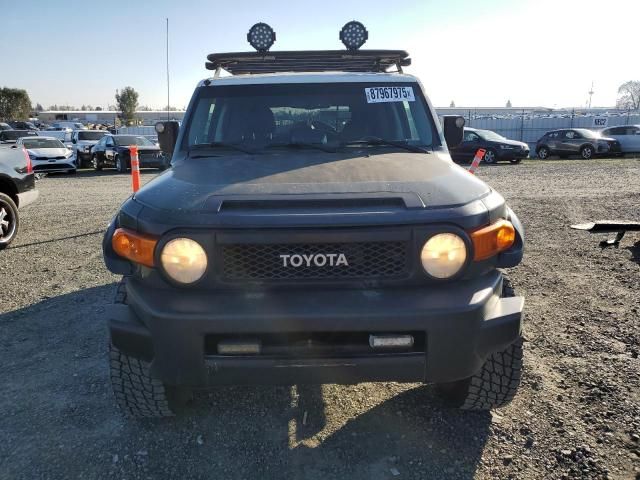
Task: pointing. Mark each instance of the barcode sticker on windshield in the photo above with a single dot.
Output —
(389, 94)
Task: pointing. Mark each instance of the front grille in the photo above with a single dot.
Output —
(368, 260)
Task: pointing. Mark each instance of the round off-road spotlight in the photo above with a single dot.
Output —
(159, 127)
(353, 35)
(261, 36)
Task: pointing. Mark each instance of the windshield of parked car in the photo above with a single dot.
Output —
(262, 116)
(42, 143)
(587, 133)
(124, 140)
(490, 136)
(16, 134)
(91, 135)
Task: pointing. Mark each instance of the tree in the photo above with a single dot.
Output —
(127, 103)
(452, 104)
(39, 108)
(98, 109)
(629, 95)
(508, 104)
(14, 104)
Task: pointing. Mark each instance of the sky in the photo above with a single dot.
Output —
(473, 52)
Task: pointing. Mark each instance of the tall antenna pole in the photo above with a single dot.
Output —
(168, 69)
(591, 92)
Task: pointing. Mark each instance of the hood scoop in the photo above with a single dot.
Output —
(335, 203)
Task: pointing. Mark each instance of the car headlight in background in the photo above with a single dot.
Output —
(184, 260)
(443, 255)
(507, 147)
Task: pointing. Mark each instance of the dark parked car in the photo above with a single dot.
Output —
(576, 141)
(5, 126)
(313, 229)
(18, 125)
(497, 147)
(113, 151)
(10, 136)
(17, 190)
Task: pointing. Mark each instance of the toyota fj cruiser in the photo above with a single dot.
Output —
(313, 229)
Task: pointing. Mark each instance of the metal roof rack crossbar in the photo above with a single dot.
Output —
(376, 61)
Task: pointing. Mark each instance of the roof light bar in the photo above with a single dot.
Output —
(353, 35)
(261, 37)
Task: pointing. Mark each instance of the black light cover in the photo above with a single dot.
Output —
(261, 36)
(353, 35)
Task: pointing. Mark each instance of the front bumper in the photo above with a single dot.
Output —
(461, 325)
(513, 154)
(52, 167)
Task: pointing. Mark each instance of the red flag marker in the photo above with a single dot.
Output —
(135, 168)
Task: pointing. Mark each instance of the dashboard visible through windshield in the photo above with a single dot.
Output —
(262, 116)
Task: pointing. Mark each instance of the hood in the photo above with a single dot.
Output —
(48, 152)
(429, 181)
(145, 148)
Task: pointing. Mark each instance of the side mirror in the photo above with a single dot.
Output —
(167, 135)
(73, 140)
(14, 146)
(453, 129)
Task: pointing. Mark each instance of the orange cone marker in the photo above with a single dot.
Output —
(476, 160)
(135, 168)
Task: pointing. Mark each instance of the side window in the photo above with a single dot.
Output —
(109, 142)
(553, 135)
(570, 134)
(470, 137)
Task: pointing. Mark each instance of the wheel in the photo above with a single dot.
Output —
(543, 153)
(490, 157)
(515, 161)
(586, 152)
(97, 165)
(121, 165)
(496, 383)
(9, 220)
(137, 393)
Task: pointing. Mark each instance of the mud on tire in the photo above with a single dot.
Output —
(137, 393)
(496, 383)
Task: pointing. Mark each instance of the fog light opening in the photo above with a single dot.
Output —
(390, 341)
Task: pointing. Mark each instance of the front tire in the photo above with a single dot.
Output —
(121, 165)
(97, 165)
(587, 152)
(496, 383)
(137, 393)
(543, 153)
(490, 157)
(9, 220)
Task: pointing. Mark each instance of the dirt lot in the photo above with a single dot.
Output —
(577, 414)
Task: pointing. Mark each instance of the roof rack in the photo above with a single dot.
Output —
(240, 63)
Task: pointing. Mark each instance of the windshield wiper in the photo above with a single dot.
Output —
(232, 146)
(316, 146)
(383, 141)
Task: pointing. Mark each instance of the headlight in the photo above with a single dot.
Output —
(507, 147)
(443, 255)
(184, 260)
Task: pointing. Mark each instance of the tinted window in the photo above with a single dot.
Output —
(16, 134)
(42, 143)
(471, 137)
(91, 135)
(571, 134)
(124, 140)
(310, 113)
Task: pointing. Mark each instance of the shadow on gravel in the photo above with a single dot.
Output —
(59, 418)
(70, 237)
(635, 252)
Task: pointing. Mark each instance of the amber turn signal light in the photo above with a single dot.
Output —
(134, 246)
(491, 240)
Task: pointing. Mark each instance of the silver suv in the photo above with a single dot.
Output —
(575, 141)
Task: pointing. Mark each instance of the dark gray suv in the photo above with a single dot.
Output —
(575, 141)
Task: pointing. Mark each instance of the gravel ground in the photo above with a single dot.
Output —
(577, 414)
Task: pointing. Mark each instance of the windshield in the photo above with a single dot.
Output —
(16, 134)
(42, 143)
(587, 133)
(491, 136)
(335, 114)
(124, 140)
(91, 135)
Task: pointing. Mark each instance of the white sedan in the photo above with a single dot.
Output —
(48, 154)
(627, 135)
